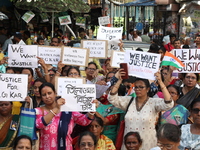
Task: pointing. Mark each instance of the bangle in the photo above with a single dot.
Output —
(167, 102)
(53, 112)
(91, 113)
(58, 72)
(163, 87)
(46, 74)
(113, 93)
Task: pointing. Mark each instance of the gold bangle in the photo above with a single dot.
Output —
(53, 112)
(163, 87)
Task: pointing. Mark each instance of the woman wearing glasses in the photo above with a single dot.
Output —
(189, 91)
(169, 136)
(143, 111)
(190, 136)
(178, 114)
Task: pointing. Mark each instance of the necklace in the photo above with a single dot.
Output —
(137, 105)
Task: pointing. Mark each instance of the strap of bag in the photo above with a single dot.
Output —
(129, 105)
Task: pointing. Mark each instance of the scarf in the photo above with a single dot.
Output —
(63, 129)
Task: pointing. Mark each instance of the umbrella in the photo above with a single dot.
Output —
(3, 16)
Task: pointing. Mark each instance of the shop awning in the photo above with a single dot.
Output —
(77, 6)
(140, 3)
(187, 5)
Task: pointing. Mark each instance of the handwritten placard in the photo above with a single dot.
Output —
(61, 82)
(22, 56)
(97, 48)
(75, 56)
(117, 58)
(13, 87)
(142, 64)
(104, 20)
(79, 97)
(113, 35)
(50, 54)
(190, 59)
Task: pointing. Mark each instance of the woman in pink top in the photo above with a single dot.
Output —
(55, 126)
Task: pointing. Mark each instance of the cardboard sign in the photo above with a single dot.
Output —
(75, 56)
(117, 58)
(98, 48)
(142, 64)
(113, 35)
(50, 54)
(65, 20)
(61, 82)
(104, 20)
(79, 97)
(190, 58)
(13, 87)
(22, 56)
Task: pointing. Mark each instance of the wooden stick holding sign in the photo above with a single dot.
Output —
(79, 97)
(117, 57)
(61, 82)
(13, 87)
(50, 54)
(75, 56)
(23, 56)
(98, 48)
(142, 64)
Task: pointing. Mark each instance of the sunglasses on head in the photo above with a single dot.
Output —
(195, 110)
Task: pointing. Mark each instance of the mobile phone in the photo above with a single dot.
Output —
(125, 67)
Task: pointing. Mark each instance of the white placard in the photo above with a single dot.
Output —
(63, 81)
(190, 58)
(75, 56)
(113, 35)
(117, 58)
(13, 87)
(142, 64)
(97, 48)
(104, 20)
(79, 97)
(22, 56)
(50, 54)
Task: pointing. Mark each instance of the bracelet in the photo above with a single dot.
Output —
(91, 113)
(46, 74)
(163, 87)
(167, 102)
(58, 72)
(53, 112)
(113, 93)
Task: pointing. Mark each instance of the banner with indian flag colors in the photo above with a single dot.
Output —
(170, 60)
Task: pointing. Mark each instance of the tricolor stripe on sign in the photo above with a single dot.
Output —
(170, 60)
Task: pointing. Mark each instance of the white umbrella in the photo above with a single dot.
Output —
(3, 16)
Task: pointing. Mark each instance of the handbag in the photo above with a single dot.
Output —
(27, 122)
(120, 134)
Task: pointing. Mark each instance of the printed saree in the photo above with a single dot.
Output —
(177, 115)
(9, 130)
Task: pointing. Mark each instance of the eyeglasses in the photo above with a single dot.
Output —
(73, 74)
(195, 110)
(167, 146)
(86, 144)
(164, 73)
(91, 69)
(139, 87)
(192, 78)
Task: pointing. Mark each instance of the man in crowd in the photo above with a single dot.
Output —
(27, 38)
(177, 44)
(145, 37)
(55, 41)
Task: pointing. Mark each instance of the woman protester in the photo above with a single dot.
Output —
(132, 141)
(103, 142)
(189, 91)
(55, 127)
(190, 136)
(8, 125)
(23, 142)
(143, 111)
(87, 141)
(177, 115)
(169, 137)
